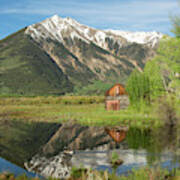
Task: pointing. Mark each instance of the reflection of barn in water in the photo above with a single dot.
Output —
(116, 98)
(118, 134)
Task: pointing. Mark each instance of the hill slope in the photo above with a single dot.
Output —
(26, 69)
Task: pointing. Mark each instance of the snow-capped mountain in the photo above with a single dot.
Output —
(100, 51)
(148, 38)
(57, 28)
(59, 54)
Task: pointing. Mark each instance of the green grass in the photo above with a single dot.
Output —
(140, 174)
(84, 110)
(51, 100)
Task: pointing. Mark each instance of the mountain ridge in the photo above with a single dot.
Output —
(82, 54)
(60, 24)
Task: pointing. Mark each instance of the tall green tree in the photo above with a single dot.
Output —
(176, 24)
(157, 82)
(138, 87)
(168, 63)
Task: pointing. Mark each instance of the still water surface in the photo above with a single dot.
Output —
(6, 166)
(143, 147)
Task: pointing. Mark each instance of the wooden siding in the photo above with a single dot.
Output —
(113, 105)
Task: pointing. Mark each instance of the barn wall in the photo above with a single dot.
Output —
(117, 103)
(112, 105)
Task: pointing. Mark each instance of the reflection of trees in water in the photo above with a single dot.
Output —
(138, 138)
(155, 141)
(168, 136)
(162, 139)
(142, 139)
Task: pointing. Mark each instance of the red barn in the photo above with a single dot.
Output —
(116, 98)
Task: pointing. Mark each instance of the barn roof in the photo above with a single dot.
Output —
(113, 90)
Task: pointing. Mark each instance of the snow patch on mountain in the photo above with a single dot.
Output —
(151, 38)
(56, 28)
(100, 37)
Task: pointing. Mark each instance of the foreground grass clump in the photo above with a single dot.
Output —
(141, 174)
(9, 176)
(83, 174)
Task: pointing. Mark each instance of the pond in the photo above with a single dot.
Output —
(6, 166)
(63, 146)
(59, 165)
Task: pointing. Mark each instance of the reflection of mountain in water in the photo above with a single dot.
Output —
(59, 166)
(46, 147)
(56, 162)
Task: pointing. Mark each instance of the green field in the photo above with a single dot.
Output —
(141, 174)
(83, 110)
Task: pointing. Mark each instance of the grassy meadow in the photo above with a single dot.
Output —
(82, 109)
(141, 174)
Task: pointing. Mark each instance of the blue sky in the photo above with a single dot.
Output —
(129, 15)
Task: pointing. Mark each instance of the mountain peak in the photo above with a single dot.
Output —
(55, 18)
(57, 28)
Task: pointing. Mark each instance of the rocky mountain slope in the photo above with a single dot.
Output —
(58, 54)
